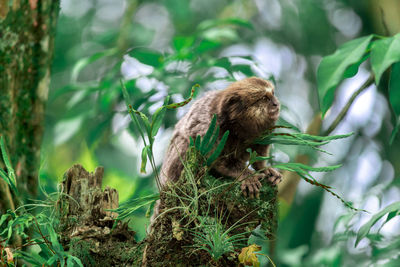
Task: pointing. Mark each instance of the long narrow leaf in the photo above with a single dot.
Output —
(158, 117)
(219, 149)
(145, 152)
(212, 141)
(206, 139)
(12, 181)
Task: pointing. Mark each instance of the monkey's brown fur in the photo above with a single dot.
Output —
(246, 108)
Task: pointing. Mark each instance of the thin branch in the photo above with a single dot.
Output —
(346, 108)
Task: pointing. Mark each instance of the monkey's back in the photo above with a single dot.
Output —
(195, 122)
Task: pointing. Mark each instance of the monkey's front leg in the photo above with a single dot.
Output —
(273, 175)
(250, 181)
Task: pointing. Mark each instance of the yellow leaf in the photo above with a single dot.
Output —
(248, 257)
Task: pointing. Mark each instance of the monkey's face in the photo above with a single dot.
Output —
(261, 105)
(250, 107)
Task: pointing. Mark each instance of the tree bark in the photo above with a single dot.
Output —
(27, 29)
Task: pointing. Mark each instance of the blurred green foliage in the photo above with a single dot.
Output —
(162, 48)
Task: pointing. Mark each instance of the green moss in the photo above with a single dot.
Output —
(199, 200)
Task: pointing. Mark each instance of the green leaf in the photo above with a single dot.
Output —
(128, 207)
(73, 261)
(208, 24)
(394, 88)
(3, 218)
(181, 42)
(88, 60)
(294, 165)
(394, 96)
(12, 181)
(156, 120)
(191, 142)
(148, 56)
(212, 141)
(197, 143)
(364, 230)
(207, 45)
(206, 139)
(332, 68)
(30, 257)
(158, 117)
(384, 52)
(219, 149)
(145, 152)
(54, 239)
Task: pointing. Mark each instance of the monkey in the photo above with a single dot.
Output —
(247, 108)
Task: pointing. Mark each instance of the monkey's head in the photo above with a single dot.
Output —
(249, 107)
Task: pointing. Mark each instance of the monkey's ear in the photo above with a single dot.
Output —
(232, 103)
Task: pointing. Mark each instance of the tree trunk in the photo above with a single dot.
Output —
(27, 29)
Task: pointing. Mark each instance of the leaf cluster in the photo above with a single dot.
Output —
(207, 145)
(383, 52)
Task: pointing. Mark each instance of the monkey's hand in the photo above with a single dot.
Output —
(273, 176)
(251, 185)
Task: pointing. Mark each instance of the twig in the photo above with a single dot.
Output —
(48, 243)
(346, 108)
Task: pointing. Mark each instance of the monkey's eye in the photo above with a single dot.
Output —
(266, 98)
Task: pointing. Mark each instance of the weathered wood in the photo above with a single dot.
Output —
(87, 226)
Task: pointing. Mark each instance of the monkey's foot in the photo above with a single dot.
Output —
(251, 186)
(273, 176)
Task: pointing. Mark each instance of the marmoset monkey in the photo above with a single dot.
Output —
(246, 108)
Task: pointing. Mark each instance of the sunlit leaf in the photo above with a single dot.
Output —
(364, 230)
(384, 53)
(209, 24)
(145, 152)
(181, 42)
(332, 68)
(158, 117)
(147, 56)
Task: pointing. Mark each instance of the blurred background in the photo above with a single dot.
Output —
(164, 47)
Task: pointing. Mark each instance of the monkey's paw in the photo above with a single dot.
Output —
(273, 176)
(251, 186)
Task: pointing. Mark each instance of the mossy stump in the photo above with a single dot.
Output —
(198, 204)
(86, 224)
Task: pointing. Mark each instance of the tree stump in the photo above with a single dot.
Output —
(87, 225)
(201, 211)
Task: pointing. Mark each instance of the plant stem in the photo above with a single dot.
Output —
(346, 108)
